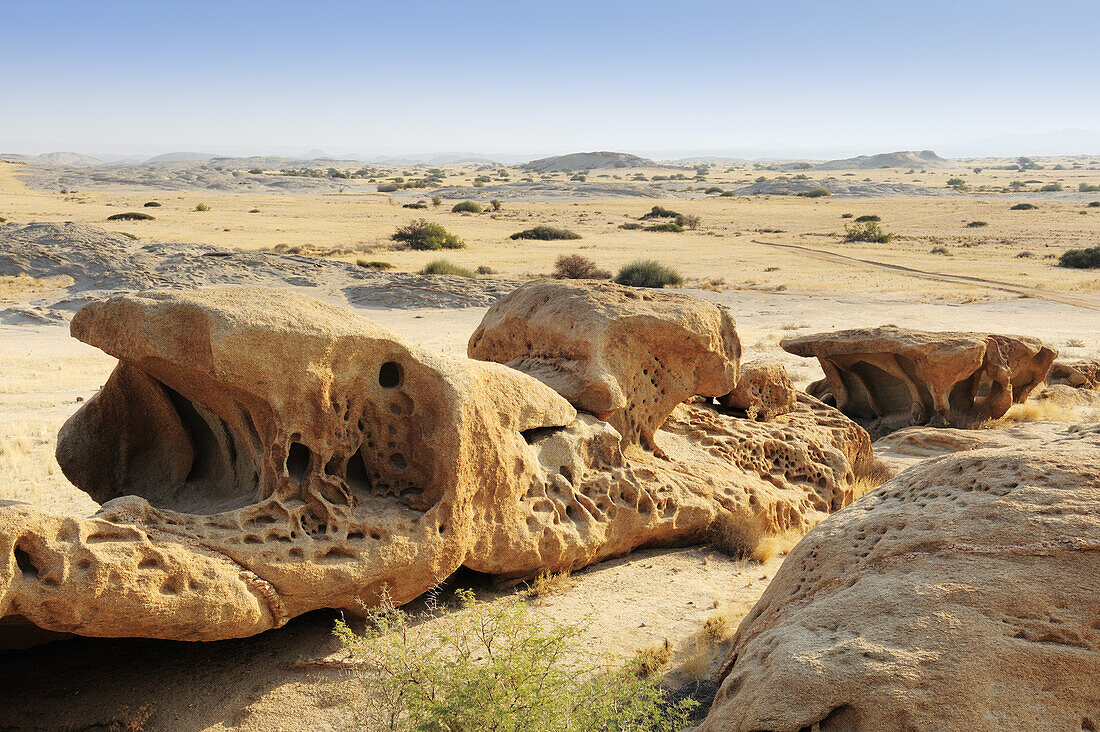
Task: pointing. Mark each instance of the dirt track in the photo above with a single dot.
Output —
(1081, 301)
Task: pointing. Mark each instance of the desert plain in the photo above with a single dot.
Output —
(961, 259)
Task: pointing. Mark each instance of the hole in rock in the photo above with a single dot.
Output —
(389, 375)
(537, 434)
(398, 461)
(297, 461)
(26, 565)
(356, 474)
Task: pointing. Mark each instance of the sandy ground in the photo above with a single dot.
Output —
(776, 262)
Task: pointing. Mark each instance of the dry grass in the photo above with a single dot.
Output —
(547, 584)
(869, 474)
(742, 536)
(696, 657)
(649, 660)
(1039, 410)
(132, 720)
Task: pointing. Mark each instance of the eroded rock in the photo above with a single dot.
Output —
(260, 454)
(959, 595)
(1082, 374)
(892, 377)
(764, 391)
(625, 355)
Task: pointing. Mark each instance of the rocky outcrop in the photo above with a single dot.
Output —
(890, 377)
(625, 355)
(764, 391)
(1083, 374)
(259, 454)
(957, 596)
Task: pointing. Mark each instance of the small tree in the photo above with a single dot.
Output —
(867, 231)
(578, 267)
(466, 207)
(427, 235)
(495, 205)
(1081, 258)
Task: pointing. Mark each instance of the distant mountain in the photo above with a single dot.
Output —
(70, 158)
(902, 159)
(180, 157)
(587, 161)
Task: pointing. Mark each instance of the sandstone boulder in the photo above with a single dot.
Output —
(1083, 374)
(625, 355)
(961, 595)
(763, 392)
(892, 377)
(260, 454)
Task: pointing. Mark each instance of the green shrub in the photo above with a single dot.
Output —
(151, 204)
(427, 235)
(496, 667)
(131, 216)
(373, 264)
(545, 233)
(1023, 207)
(712, 190)
(386, 187)
(484, 269)
(253, 210)
(846, 216)
(816, 193)
(437, 200)
(466, 207)
(1051, 188)
(417, 205)
(647, 273)
(578, 267)
(579, 178)
(977, 224)
(496, 205)
(659, 212)
(1094, 204)
(939, 250)
(1088, 188)
(868, 217)
(957, 183)
(1081, 258)
(868, 231)
(665, 227)
(443, 267)
(631, 226)
(202, 207)
(728, 194)
(687, 221)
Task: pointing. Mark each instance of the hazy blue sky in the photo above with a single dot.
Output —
(547, 77)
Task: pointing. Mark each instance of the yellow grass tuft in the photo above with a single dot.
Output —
(649, 660)
(547, 584)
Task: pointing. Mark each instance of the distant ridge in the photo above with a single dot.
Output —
(901, 159)
(587, 161)
(180, 157)
(70, 158)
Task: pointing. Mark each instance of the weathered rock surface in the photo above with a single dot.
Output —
(625, 355)
(1083, 374)
(764, 391)
(960, 595)
(260, 454)
(892, 377)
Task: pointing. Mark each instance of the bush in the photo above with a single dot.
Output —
(737, 535)
(579, 178)
(131, 216)
(496, 667)
(667, 226)
(545, 233)
(437, 200)
(1088, 188)
(712, 190)
(466, 207)
(578, 267)
(373, 264)
(253, 210)
(869, 231)
(443, 267)
(1023, 207)
(815, 193)
(1094, 204)
(1081, 258)
(728, 194)
(868, 217)
(484, 269)
(631, 226)
(151, 204)
(427, 235)
(687, 221)
(496, 205)
(846, 216)
(939, 250)
(417, 205)
(648, 273)
(386, 187)
(202, 207)
(659, 212)
(1051, 188)
(977, 224)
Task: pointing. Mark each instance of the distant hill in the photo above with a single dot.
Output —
(901, 159)
(180, 157)
(587, 161)
(70, 158)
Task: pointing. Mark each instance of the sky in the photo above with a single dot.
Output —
(776, 78)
